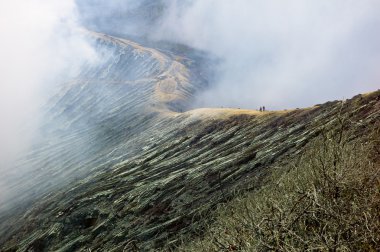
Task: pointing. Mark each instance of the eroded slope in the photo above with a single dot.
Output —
(191, 162)
(100, 116)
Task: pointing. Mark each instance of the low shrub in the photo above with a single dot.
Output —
(327, 200)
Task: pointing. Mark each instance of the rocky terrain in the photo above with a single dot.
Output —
(93, 118)
(125, 164)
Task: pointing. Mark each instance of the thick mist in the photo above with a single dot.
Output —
(278, 54)
(40, 45)
(121, 17)
(282, 54)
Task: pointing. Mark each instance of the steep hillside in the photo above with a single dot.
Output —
(193, 161)
(327, 198)
(121, 166)
(101, 114)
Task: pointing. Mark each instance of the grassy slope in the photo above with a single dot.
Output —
(326, 200)
(192, 163)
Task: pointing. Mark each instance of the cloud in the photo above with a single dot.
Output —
(39, 41)
(133, 17)
(281, 54)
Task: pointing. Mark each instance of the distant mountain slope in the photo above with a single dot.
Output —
(190, 162)
(102, 114)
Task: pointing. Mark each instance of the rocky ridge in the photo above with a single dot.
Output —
(152, 171)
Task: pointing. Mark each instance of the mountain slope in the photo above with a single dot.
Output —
(99, 116)
(198, 159)
(121, 164)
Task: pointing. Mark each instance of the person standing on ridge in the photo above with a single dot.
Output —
(261, 109)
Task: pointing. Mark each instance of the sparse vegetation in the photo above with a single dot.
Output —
(328, 200)
(291, 186)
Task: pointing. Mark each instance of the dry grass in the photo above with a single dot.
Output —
(328, 200)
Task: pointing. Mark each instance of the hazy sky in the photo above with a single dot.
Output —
(277, 53)
(282, 54)
(38, 41)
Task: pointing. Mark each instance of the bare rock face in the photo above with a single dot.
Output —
(122, 167)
